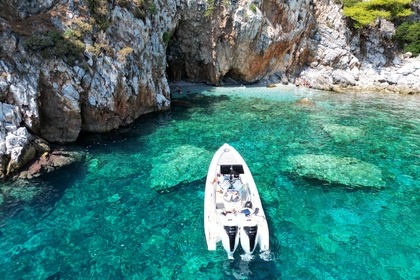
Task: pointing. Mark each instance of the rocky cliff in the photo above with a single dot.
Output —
(68, 66)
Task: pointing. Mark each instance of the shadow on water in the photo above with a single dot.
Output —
(183, 186)
(149, 124)
(314, 183)
(38, 195)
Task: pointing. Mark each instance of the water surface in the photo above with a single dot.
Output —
(103, 220)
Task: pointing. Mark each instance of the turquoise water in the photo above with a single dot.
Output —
(133, 209)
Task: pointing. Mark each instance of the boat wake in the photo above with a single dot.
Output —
(267, 256)
(247, 257)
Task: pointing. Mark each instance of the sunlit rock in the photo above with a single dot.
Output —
(337, 170)
(184, 164)
(49, 162)
(18, 145)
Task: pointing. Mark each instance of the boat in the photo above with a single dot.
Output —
(233, 213)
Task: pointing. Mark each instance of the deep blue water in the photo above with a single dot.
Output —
(134, 208)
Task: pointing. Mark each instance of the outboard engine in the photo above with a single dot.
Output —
(249, 236)
(230, 236)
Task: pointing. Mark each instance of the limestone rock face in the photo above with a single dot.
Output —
(100, 77)
(10, 119)
(340, 59)
(12, 9)
(239, 40)
(59, 108)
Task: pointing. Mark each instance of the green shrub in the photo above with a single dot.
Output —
(210, 8)
(152, 8)
(408, 37)
(99, 11)
(166, 37)
(364, 13)
(55, 44)
(141, 8)
(253, 8)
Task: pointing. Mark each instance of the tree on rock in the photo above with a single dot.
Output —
(364, 13)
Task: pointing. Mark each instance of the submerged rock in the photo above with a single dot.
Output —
(341, 133)
(182, 165)
(338, 170)
(305, 102)
(261, 106)
(49, 162)
(18, 191)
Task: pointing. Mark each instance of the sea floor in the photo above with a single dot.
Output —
(134, 208)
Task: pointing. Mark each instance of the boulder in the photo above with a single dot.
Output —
(343, 78)
(19, 148)
(346, 171)
(49, 162)
(182, 165)
(18, 145)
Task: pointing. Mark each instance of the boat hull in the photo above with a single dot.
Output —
(233, 211)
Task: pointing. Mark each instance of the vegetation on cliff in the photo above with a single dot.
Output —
(69, 44)
(408, 36)
(364, 13)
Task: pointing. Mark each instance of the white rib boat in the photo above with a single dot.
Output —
(233, 211)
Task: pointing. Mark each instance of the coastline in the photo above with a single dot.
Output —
(401, 78)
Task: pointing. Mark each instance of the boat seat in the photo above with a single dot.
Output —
(246, 211)
(220, 207)
(237, 184)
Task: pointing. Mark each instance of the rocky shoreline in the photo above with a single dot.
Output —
(402, 78)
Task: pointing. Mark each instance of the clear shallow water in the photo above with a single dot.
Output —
(102, 219)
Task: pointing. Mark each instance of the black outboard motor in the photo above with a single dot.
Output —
(231, 231)
(230, 235)
(252, 236)
(249, 236)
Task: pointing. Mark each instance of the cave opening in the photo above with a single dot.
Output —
(175, 59)
(233, 76)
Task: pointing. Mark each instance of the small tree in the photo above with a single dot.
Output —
(364, 13)
(408, 37)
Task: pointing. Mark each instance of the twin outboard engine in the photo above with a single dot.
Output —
(232, 234)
